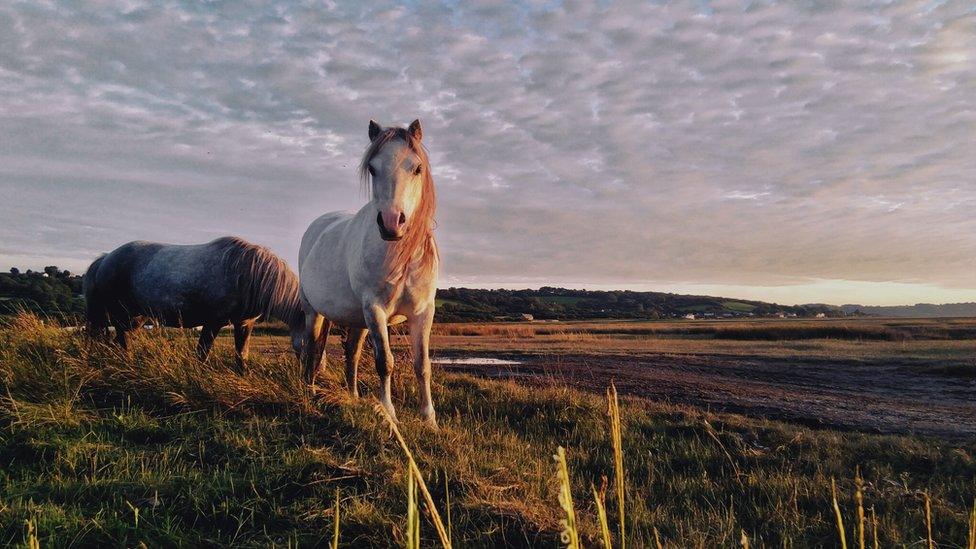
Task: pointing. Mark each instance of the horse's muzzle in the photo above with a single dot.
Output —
(384, 233)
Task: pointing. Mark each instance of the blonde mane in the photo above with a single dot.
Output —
(417, 245)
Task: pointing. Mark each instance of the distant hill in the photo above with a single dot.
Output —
(920, 310)
(548, 303)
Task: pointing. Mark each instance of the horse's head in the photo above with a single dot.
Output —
(397, 170)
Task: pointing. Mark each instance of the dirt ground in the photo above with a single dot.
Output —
(880, 397)
(904, 376)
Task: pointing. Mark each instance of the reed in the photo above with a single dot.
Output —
(859, 497)
(413, 514)
(840, 520)
(972, 528)
(616, 434)
(335, 522)
(447, 508)
(601, 512)
(431, 509)
(928, 521)
(570, 533)
(31, 539)
(874, 529)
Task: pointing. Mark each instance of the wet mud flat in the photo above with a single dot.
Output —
(910, 397)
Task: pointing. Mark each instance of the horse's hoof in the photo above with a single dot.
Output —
(430, 421)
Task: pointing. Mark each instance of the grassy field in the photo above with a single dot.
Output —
(951, 340)
(99, 448)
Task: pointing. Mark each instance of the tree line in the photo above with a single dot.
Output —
(56, 292)
(48, 292)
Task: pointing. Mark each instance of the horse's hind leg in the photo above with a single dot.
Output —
(120, 330)
(353, 346)
(321, 358)
(122, 323)
(207, 336)
(97, 319)
(242, 341)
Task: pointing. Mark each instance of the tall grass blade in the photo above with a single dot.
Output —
(972, 528)
(618, 459)
(601, 512)
(335, 520)
(431, 509)
(744, 540)
(928, 520)
(413, 517)
(32, 541)
(874, 529)
(447, 507)
(859, 497)
(570, 533)
(657, 539)
(840, 520)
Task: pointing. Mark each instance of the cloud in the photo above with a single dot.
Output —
(737, 143)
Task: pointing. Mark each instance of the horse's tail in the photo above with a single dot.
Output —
(96, 314)
(265, 285)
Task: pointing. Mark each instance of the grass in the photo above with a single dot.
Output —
(98, 448)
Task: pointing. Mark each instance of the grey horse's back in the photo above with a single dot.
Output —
(224, 280)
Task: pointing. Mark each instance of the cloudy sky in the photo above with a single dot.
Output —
(796, 151)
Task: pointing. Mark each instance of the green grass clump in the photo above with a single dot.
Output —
(102, 448)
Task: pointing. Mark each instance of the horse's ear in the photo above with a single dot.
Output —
(374, 129)
(415, 130)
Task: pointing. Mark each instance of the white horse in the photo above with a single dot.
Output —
(377, 267)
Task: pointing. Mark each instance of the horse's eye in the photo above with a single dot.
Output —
(371, 171)
(419, 169)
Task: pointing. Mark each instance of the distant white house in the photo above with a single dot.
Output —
(820, 315)
(689, 316)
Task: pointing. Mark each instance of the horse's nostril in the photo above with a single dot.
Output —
(402, 219)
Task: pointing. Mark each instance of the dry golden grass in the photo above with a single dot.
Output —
(88, 435)
(841, 339)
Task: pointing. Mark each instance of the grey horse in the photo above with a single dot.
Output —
(225, 281)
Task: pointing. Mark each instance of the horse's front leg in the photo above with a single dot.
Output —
(379, 333)
(207, 336)
(120, 330)
(242, 342)
(420, 343)
(353, 347)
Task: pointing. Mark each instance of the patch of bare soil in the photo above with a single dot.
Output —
(903, 398)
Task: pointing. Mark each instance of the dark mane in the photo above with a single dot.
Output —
(418, 244)
(266, 285)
